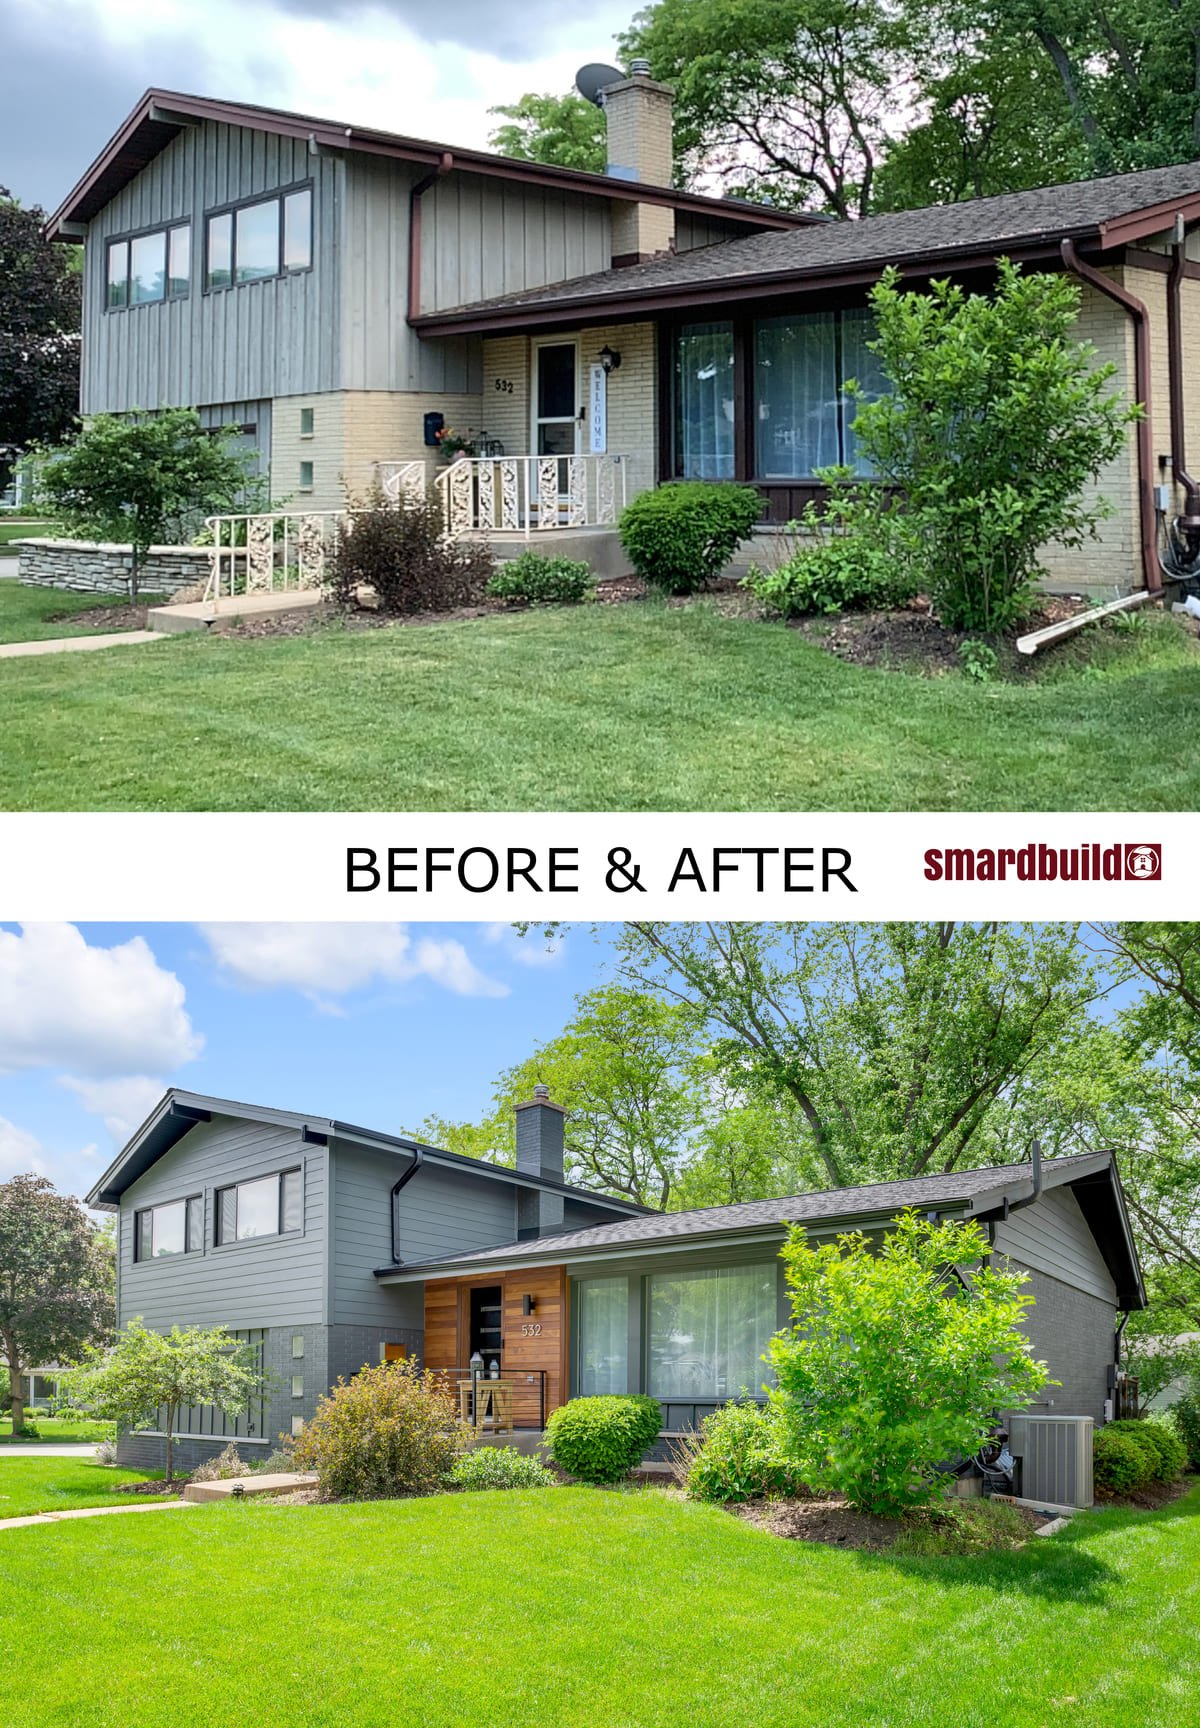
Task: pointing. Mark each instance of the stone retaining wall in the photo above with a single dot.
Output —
(87, 566)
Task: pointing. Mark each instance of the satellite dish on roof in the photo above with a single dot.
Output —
(591, 80)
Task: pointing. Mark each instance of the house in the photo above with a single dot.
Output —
(328, 1246)
(344, 295)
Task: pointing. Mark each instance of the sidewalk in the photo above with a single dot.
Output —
(51, 1449)
(93, 1512)
(77, 644)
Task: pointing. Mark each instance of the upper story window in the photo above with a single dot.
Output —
(268, 1206)
(147, 268)
(256, 241)
(176, 1228)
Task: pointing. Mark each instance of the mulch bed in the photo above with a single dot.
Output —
(178, 1484)
(1150, 1498)
(105, 618)
(833, 1522)
(911, 639)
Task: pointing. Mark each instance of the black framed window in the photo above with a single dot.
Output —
(146, 269)
(174, 1228)
(803, 418)
(259, 240)
(704, 401)
(267, 1206)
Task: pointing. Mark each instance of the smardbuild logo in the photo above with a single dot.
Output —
(1138, 861)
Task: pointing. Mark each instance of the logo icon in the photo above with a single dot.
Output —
(1143, 863)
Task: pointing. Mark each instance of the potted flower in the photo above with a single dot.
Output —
(454, 444)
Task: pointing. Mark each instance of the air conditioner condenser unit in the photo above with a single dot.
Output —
(1054, 1458)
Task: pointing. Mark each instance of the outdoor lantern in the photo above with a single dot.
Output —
(528, 1304)
(609, 358)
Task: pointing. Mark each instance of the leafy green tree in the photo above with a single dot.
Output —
(791, 100)
(899, 1358)
(140, 479)
(56, 1281)
(565, 131)
(897, 1044)
(39, 330)
(144, 1372)
(995, 421)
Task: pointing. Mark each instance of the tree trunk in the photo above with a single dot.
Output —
(170, 1440)
(15, 1375)
(134, 574)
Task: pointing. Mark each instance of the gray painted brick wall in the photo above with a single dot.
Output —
(1072, 1332)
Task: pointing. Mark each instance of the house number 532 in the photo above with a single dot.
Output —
(506, 385)
(531, 1329)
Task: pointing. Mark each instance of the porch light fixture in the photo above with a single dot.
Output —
(609, 358)
(528, 1304)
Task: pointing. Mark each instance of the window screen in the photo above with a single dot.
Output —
(797, 395)
(708, 1331)
(147, 268)
(704, 399)
(118, 274)
(603, 1309)
(297, 230)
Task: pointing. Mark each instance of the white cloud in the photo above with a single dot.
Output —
(20, 1151)
(334, 959)
(97, 1012)
(124, 1103)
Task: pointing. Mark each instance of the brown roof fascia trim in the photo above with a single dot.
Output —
(1159, 262)
(669, 298)
(395, 145)
(1137, 224)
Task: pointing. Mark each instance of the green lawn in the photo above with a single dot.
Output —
(50, 1429)
(23, 529)
(599, 708)
(37, 614)
(571, 1608)
(54, 1484)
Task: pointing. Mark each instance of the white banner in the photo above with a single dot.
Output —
(598, 411)
(373, 866)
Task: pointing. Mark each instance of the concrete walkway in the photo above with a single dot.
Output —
(93, 1512)
(77, 644)
(50, 1449)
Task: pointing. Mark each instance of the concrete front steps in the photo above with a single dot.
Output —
(237, 1487)
(203, 614)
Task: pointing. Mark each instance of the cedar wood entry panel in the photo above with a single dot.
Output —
(530, 1342)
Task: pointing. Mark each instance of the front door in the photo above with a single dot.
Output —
(556, 423)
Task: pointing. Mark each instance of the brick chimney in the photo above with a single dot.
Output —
(540, 1124)
(637, 113)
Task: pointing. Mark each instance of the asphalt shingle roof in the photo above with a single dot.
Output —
(981, 224)
(827, 1205)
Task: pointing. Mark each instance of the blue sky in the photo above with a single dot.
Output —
(70, 70)
(378, 1024)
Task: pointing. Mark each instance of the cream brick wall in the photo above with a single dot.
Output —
(352, 430)
(632, 393)
(1111, 563)
(638, 119)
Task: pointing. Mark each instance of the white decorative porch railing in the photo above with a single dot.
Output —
(400, 481)
(531, 494)
(271, 553)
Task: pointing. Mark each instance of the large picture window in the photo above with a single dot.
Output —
(708, 1331)
(176, 1228)
(704, 402)
(268, 1206)
(256, 241)
(802, 414)
(602, 1305)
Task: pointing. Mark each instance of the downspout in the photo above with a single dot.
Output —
(1188, 525)
(1035, 1189)
(418, 1158)
(414, 230)
(1151, 573)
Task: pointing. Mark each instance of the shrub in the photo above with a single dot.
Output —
(680, 537)
(223, 1468)
(499, 1467)
(739, 1455)
(542, 581)
(106, 1452)
(390, 1431)
(892, 1367)
(277, 1462)
(1119, 1462)
(995, 421)
(1161, 1448)
(845, 559)
(601, 1439)
(400, 550)
(1185, 1415)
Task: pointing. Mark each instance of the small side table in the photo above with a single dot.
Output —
(493, 1404)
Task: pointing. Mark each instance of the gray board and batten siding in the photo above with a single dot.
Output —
(278, 337)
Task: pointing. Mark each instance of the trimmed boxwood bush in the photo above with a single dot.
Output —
(541, 580)
(1131, 1454)
(499, 1467)
(388, 1432)
(601, 1439)
(681, 536)
(738, 1455)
